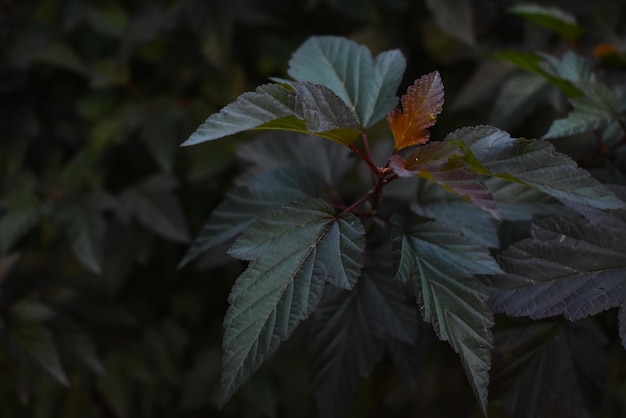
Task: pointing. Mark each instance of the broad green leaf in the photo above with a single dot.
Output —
(294, 251)
(442, 263)
(350, 332)
(552, 18)
(549, 368)
(439, 162)
(534, 163)
(243, 204)
(155, 205)
(534, 63)
(28, 334)
(569, 266)
(594, 110)
(301, 107)
(365, 84)
(21, 214)
(421, 104)
(455, 17)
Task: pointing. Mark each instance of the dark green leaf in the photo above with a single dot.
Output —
(454, 17)
(344, 346)
(550, 17)
(301, 107)
(366, 84)
(85, 227)
(569, 266)
(534, 163)
(154, 204)
(517, 99)
(293, 252)
(548, 368)
(21, 214)
(350, 332)
(442, 263)
(279, 149)
(28, 334)
(242, 205)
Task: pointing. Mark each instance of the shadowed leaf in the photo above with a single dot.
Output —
(442, 264)
(569, 266)
(293, 251)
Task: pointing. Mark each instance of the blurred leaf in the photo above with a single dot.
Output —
(534, 64)
(421, 104)
(569, 266)
(571, 67)
(552, 18)
(455, 17)
(365, 84)
(21, 214)
(534, 163)
(517, 99)
(442, 264)
(328, 159)
(154, 204)
(27, 334)
(548, 369)
(293, 252)
(61, 55)
(75, 344)
(85, 227)
(302, 107)
(596, 109)
(108, 18)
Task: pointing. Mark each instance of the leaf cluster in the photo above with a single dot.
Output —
(312, 254)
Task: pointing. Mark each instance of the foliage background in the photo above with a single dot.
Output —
(98, 203)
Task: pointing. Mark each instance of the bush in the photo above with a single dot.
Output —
(511, 250)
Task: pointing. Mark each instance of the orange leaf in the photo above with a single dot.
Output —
(421, 104)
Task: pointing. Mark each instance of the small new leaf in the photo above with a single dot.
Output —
(439, 162)
(294, 251)
(421, 104)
